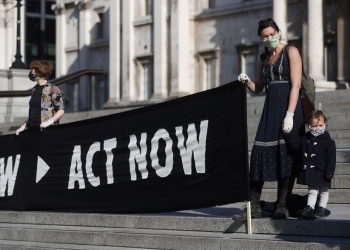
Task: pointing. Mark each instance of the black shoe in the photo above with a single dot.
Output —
(281, 211)
(255, 213)
(308, 212)
(320, 213)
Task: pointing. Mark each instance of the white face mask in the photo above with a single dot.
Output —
(316, 131)
(272, 42)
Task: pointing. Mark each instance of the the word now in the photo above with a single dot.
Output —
(190, 147)
(8, 174)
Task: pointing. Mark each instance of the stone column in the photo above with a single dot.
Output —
(61, 67)
(316, 43)
(280, 17)
(84, 39)
(8, 17)
(160, 49)
(343, 39)
(128, 51)
(179, 39)
(114, 53)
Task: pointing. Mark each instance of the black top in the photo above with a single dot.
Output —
(35, 105)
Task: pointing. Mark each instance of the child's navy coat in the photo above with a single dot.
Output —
(318, 158)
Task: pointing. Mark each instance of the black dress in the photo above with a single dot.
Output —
(271, 159)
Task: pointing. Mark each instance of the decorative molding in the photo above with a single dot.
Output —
(143, 20)
(82, 4)
(58, 8)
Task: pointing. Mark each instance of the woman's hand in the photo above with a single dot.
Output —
(288, 122)
(243, 78)
(47, 123)
(23, 127)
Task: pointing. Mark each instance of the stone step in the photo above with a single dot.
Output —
(164, 239)
(207, 228)
(340, 143)
(343, 156)
(336, 196)
(332, 125)
(21, 245)
(338, 182)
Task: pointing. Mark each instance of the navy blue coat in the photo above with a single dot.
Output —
(317, 160)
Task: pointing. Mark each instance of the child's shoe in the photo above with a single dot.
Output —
(320, 213)
(308, 212)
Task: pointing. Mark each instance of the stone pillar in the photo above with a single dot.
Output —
(128, 51)
(316, 43)
(160, 49)
(84, 39)
(61, 66)
(343, 39)
(114, 53)
(179, 39)
(280, 17)
(8, 33)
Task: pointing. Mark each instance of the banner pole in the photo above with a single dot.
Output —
(249, 218)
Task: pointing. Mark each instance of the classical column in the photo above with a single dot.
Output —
(179, 39)
(84, 39)
(343, 39)
(128, 51)
(280, 17)
(114, 53)
(61, 67)
(160, 49)
(315, 38)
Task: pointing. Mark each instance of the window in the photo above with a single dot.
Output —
(247, 60)
(211, 4)
(330, 61)
(40, 32)
(147, 82)
(100, 25)
(249, 64)
(148, 7)
(208, 69)
(144, 83)
(143, 8)
(210, 73)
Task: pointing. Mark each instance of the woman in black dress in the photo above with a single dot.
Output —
(46, 103)
(271, 159)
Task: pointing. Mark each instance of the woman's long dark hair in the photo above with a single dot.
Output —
(263, 24)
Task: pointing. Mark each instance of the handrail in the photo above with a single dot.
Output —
(56, 81)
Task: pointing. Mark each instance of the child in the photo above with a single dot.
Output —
(317, 164)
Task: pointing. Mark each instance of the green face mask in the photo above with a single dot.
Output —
(272, 42)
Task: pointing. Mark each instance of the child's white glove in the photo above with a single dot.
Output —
(47, 123)
(243, 78)
(288, 122)
(23, 127)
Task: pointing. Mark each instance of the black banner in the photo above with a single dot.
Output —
(186, 153)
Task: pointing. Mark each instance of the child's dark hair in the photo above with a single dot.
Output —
(315, 114)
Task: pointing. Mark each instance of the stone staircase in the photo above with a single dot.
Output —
(207, 228)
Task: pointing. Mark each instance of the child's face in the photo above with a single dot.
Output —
(317, 123)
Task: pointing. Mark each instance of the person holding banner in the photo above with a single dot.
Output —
(46, 103)
(271, 158)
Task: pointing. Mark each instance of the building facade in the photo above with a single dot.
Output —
(154, 50)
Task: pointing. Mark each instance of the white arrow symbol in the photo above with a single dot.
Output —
(41, 169)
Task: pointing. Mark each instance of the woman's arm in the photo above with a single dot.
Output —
(295, 66)
(58, 115)
(257, 86)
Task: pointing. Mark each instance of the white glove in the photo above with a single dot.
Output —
(288, 122)
(23, 127)
(47, 123)
(243, 78)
